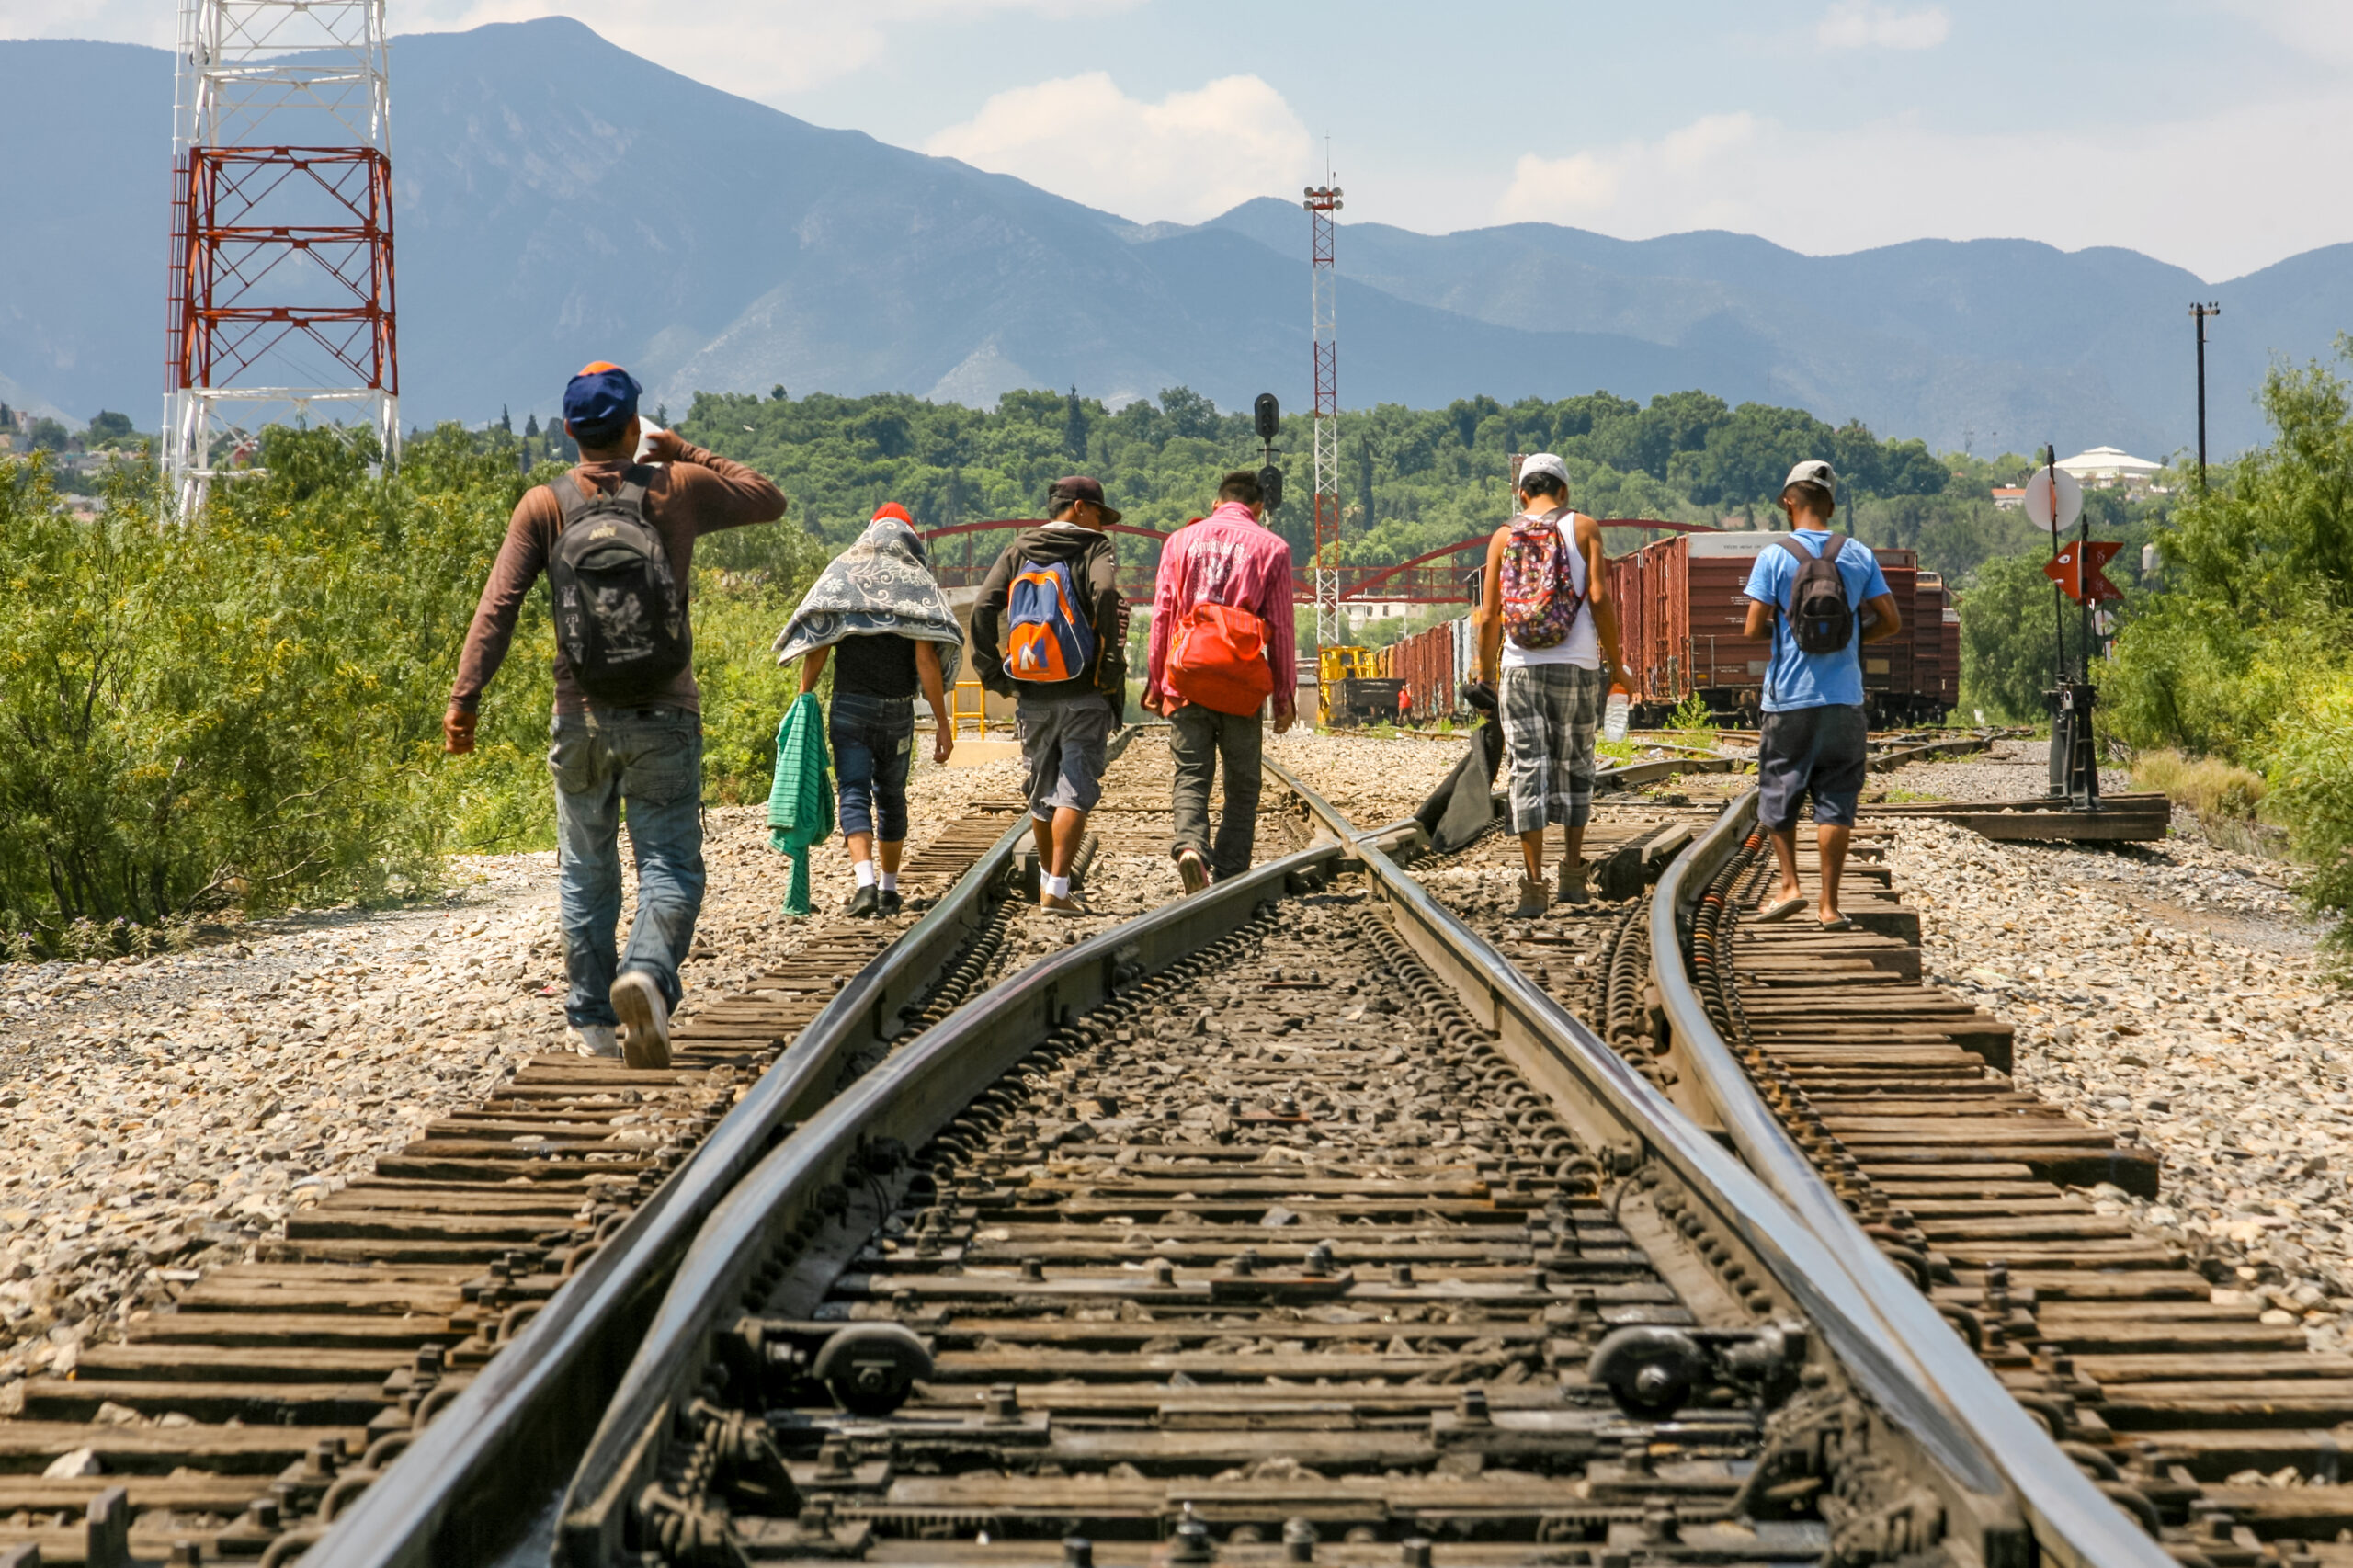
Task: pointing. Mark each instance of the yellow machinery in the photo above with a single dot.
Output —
(1350, 689)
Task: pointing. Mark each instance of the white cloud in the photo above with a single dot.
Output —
(1871, 24)
(2321, 28)
(1825, 191)
(761, 49)
(1188, 157)
(1559, 190)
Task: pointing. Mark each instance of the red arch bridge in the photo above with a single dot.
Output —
(1440, 576)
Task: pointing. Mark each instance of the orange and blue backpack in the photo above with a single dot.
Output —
(1047, 639)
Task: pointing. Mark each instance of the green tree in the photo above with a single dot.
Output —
(2249, 654)
(2008, 641)
(110, 427)
(47, 436)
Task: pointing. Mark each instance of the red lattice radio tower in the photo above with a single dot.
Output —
(281, 261)
(1323, 201)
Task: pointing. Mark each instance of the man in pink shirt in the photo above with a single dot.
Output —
(1207, 660)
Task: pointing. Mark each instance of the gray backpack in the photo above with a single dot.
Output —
(1821, 619)
(621, 615)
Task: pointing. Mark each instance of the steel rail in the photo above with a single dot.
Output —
(2073, 1522)
(1557, 1049)
(512, 1434)
(908, 1098)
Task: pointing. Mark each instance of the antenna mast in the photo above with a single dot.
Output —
(282, 255)
(1323, 201)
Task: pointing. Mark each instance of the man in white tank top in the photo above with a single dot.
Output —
(1550, 697)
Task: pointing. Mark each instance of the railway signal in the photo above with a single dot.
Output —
(2076, 570)
(2055, 499)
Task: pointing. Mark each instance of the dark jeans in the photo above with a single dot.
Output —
(651, 759)
(873, 739)
(1198, 736)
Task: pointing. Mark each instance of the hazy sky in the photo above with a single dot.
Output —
(2212, 134)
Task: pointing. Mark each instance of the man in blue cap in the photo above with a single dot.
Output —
(616, 537)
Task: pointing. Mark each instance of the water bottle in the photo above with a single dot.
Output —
(1613, 716)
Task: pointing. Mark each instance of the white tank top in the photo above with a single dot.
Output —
(1583, 644)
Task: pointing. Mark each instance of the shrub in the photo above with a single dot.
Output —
(2311, 763)
(247, 708)
(2215, 790)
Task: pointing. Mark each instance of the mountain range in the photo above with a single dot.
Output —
(560, 199)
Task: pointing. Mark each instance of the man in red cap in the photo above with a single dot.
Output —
(1050, 632)
(616, 537)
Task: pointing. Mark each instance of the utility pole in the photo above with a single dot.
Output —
(2198, 314)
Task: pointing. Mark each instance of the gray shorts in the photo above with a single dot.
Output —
(1062, 744)
(1816, 751)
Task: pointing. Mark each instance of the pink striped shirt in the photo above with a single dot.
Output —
(1226, 558)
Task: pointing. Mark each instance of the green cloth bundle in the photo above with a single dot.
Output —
(800, 800)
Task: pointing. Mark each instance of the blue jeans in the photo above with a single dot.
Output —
(651, 758)
(873, 739)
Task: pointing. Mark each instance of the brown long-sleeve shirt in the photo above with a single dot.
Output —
(685, 500)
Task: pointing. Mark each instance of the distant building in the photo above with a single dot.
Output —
(2106, 468)
(2009, 497)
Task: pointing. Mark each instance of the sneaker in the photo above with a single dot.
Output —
(888, 903)
(1192, 871)
(1063, 906)
(1573, 888)
(645, 1016)
(1535, 898)
(599, 1039)
(865, 901)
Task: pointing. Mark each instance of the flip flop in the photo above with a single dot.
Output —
(1841, 924)
(1779, 909)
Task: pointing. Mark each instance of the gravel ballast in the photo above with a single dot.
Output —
(166, 1115)
(2171, 992)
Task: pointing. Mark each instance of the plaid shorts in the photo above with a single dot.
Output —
(1550, 714)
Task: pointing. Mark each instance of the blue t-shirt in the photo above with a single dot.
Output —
(1797, 679)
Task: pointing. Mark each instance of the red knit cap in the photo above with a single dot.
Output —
(892, 509)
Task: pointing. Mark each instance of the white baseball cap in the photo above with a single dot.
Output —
(1543, 462)
(1813, 470)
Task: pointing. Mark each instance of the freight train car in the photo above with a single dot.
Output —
(1429, 661)
(1683, 610)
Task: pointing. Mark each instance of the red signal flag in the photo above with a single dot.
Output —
(2076, 570)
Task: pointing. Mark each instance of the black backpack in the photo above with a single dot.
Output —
(621, 617)
(1820, 618)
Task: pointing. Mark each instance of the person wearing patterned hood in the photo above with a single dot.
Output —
(880, 605)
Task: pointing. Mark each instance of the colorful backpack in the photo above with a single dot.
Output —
(1540, 600)
(1217, 658)
(1047, 639)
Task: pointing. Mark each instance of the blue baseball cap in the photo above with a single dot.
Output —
(599, 403)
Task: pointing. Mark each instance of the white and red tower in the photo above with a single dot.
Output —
(281, 256)
(1323, 201)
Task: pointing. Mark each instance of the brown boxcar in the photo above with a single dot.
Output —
(1949, 693)
(1690, 610)
(1927, 630)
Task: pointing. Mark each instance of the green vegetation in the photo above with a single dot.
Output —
(246, 710)
(2246, 657)
(1412, 480)
(1692, 716)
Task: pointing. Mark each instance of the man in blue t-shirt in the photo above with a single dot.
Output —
(1813, 740)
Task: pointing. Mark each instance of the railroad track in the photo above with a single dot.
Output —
(1281, 1223)
(1895, 1096)
(274, 1394)
(2088, 1357)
